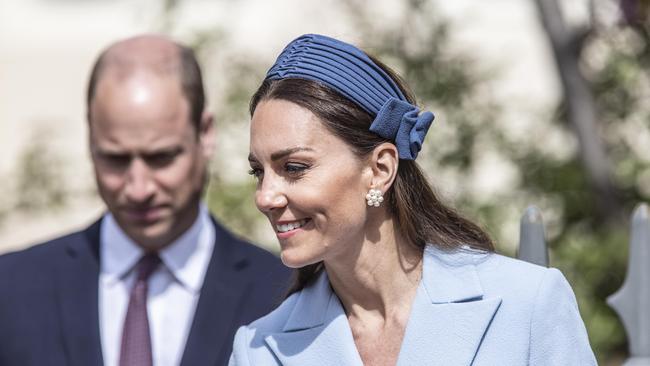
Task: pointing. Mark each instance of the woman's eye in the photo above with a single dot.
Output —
(295, 168)
(256, 172)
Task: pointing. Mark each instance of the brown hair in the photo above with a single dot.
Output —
(421, 217)
(191, 82)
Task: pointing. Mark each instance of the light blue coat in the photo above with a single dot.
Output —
(470, 309)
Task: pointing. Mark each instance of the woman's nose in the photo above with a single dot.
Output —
(270, 195)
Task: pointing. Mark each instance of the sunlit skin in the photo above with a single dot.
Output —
(301, 168)
(306, 175)
(149, 159)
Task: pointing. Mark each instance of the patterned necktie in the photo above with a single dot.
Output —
(136, 341)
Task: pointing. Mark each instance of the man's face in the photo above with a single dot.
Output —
(149, 159)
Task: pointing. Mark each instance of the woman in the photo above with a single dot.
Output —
(386, 274)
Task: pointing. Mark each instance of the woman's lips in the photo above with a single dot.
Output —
(287, 229)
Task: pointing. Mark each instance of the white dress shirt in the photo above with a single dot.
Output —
(173, 293)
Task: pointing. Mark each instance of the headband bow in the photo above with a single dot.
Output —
(352, 73)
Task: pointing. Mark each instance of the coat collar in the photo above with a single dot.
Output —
(449, 315)
(317, 330)
(451, 276)
(448, 318)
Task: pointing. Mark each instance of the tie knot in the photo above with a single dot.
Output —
(147, 264)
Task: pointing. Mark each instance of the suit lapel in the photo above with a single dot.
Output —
(449, 316)
(218, 303)
(317, 331)
(77, 276)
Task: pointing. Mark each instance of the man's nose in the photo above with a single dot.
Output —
(270, 194)
(140, 185)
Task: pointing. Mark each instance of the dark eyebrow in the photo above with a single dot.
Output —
(282, 153)
(173, 149)
(170, 150)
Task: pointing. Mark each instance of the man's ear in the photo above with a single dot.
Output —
(206, 134)
(384, 163)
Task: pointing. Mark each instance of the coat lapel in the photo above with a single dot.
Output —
(218, 303)
(449, 316)
(448, 320)
(77, 291)
(317, 331)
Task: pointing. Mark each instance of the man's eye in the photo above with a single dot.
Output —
(161, 159)
(117, 160)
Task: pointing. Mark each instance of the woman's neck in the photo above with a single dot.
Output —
(379, 280)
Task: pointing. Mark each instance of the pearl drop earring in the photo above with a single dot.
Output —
(374, 197)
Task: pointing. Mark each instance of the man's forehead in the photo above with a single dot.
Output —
(105, 145)
(134, 138)
(145, 53)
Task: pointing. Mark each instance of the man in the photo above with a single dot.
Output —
(156, 281)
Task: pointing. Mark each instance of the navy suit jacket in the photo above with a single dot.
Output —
(49, 300)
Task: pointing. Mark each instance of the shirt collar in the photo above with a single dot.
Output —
(187, 258)
(189, 255)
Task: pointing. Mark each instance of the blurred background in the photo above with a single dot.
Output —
(536, 101)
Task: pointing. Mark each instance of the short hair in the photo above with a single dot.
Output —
(190, 77)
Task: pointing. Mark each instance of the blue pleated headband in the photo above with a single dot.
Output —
(352, 73)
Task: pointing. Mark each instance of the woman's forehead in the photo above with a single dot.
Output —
(278, 125)
(281, 118)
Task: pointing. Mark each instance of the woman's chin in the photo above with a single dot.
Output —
(292, 259)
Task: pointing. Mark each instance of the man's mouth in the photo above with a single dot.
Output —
(143, 214)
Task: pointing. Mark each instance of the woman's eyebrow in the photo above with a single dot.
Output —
(283, 153)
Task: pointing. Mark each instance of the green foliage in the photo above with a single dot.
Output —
(234, 205)
(40, 182)
(620, 84)
(233, 202)
(593, 261)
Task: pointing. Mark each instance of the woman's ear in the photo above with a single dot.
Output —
(384, 162)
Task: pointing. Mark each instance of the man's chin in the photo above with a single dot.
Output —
(150, 237)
